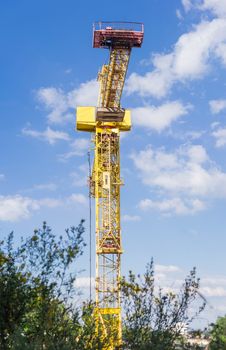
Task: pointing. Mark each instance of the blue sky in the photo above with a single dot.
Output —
(173, 160)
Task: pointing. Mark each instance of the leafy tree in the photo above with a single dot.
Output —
(14, 291)
(38, 300)
(37, 294)
(52, 317)
(218, 334)
(153, 318)
(37, 290)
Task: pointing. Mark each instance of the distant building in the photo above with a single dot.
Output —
(202, 343)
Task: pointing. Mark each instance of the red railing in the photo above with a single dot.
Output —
(117, 34)
(116, 25)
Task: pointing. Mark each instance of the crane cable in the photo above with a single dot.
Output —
(90, 232)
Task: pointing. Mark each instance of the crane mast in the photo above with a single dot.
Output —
(106, 122)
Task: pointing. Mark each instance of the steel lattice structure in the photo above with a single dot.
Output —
(106, 122)
(112, 77)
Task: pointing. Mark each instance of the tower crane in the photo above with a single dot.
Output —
(106, 122)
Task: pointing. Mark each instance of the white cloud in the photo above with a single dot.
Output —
(17, 207)
(221, 52)
(214, 281)
(220, 136)
(61, 104)
(179, 15)
(196, 154)
(213, 291)
(166, 268)
(50, 202)
(188, 170)
(79, 177)
(44, 187)
(159, 118)
(194, 135)
(175, 205)
(187, 4)
(214, 125)
(13, 208)
(218, 7)
(184, 179)
(85, 95)
(156, 83)
(130, 218)
(213, 286)
(2, 176)
(55, 101)
(192, 50)
(77, 148)
(84, 282)
(78, 198)
(49, 135)
(190, 59)
(79, 180)
(217, 106)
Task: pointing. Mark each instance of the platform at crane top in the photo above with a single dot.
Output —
(117, 34)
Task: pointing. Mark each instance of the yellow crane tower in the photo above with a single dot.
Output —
(106, 121)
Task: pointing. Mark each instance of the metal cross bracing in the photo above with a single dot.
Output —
(106, 122)
(108, 236)
(112, 78)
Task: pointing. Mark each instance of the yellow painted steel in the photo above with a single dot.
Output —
(105, 185)
(112, 78)
(86, 120)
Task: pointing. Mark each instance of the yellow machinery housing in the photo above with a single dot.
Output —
(86, 120)
(106, 121)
